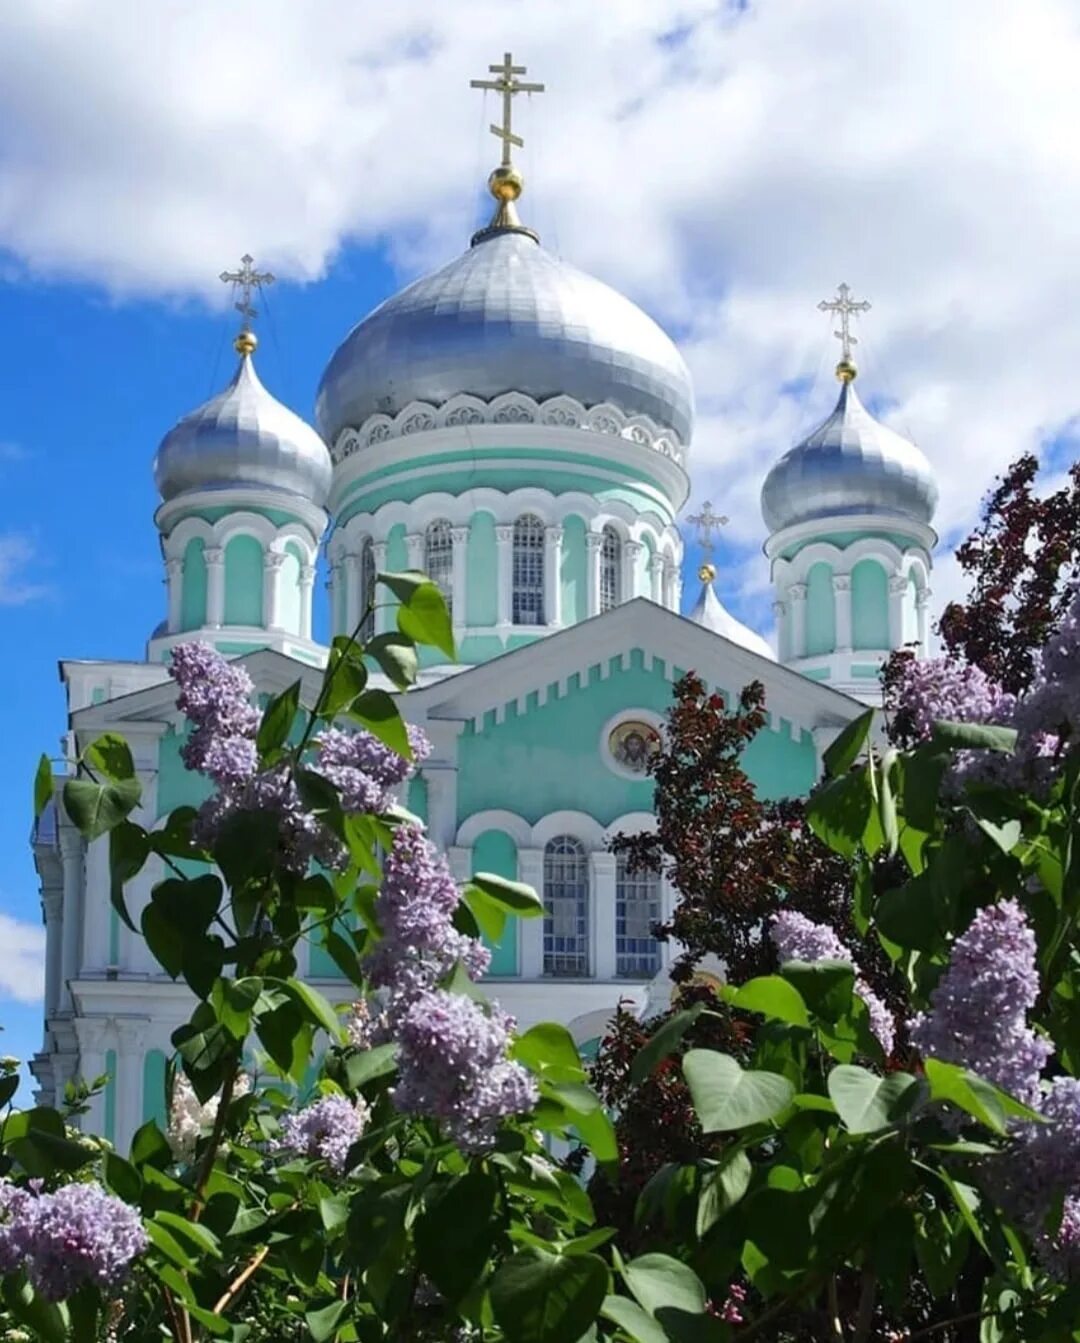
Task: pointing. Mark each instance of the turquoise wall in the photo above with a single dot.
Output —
(494, 851)
(416, 798)
(820, 610)
(244, 581)
(481, 572)
(177, 786)
(153, 1091)
(869, 606)
(193, 600)
(573, 574)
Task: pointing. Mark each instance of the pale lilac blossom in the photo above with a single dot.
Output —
(325, 1130)
(80, 1234)
(13, 1227)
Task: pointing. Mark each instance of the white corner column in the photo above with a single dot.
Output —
(780, 615)
(71, 853)
(841, 586)
(656, 578)
(273, 564)
(922, 615)
(602, 865)
(531, 871)
(131, 1048)
(797, 601)
(53, 901)
(594, 545)
(415, 549)
(671, 585)
(553, 538)
(898, 585)
(350, 569)
(631, 556)
(459, 543)
(215, 586)
(504, 560)
(307, 584)
(383, 612)
(174, 579)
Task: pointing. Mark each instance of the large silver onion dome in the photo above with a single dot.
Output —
(850, 464)
(243, 437)
(507, 316)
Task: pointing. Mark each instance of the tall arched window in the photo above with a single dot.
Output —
(367, 589)
(566, 908)
(637, 908)
(610, 569)
(439, 558)
(528, 573)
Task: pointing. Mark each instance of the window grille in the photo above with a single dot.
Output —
(610, 566)
(528, 573)
(637, 908)
(439, 559)
(566, 908)
(367, 591)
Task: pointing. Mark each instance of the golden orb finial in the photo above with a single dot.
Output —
(245, 343)
(505, 182)
(707, 572)
(847, 370)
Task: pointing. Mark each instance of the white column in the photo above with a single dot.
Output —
(656, 578)
(594, 545)
(53, 900)
(97, 908)
(531, 871)
(336, 577)
(631, 554)
(441, 804)
(350, 572)
(215, 586)
(922, 607)
(414, 546)
(383, 613)
(459, 541)
(174, 578)
(780, 612)
(797, 603)
(96, 1037)
(71, 852)
(553, 535)
(130, 1052)
(307, 583)
(672, 585)
(504, 557)
(841, 586)
(273, 563)
(898, 585)
(602, 891)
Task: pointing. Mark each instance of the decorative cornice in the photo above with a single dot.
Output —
(557, 412)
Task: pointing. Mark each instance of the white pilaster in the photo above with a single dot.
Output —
(504, 558)
(96, 1036)
(383, 613)
(602, 887)
(459, 542)
(215, 586)
(780, 613)
(656, 578)
(71, 853)
(131, 1048)
(922, 609)
(594, 545)
(97, 908)
(553, 536)
(441, 804)
(797, 605)
(672, 585)
(531, 871)
(898, 585)
(307, 584)
(350, 570)
(841, 585)
(631, 555)
(53, 901)
(273, 563)
(174, 578)
(414, 547)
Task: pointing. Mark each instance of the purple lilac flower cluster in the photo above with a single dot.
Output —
(79, 1234)
(453, 1066)
(797, 938)
(979, 1008)
(935, 690)
(325, 1130)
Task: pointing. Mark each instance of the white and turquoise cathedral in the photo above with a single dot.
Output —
(523, 433)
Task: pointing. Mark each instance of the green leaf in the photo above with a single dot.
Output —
(660, 1282)
(455, 1236)
(728, 1097)
(122, 1178)
(773, 996)
(109, 756)
(598, 1134)
(164, 940)
(632, 1320)
(95, 808)
(396, 658)
(549, 1050)
(721, 1188)
(844, 751)
(149, 1147)
(486, 915)
(970, 1093)
(46, 1320)
(199, 1235)
(422, 616)
(368, 1064)
(544, 1298)
(1005, 836)
(663, 1043)
(323, 1323)
(170, 1247)
(866, 1102)
(346, 677)
(825, 986)
(277, 721)
(964, 736)
(43, 786)
(911, 915)
(377, 711)
(516, 896)
(887, 803)
(841, 812)
(315, 1007)
(129, 848)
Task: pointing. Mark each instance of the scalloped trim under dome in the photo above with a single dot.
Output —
(557, 412)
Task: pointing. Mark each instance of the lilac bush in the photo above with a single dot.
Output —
(325, 1130)
(930, 690)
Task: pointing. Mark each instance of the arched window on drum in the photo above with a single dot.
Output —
(566, 908)
(611, 553)
(439, 559)
(528, 571)
(367, 591)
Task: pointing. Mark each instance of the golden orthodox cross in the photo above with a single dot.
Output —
(508, 85)
(706, 523)
(843, 305)
(247, 280)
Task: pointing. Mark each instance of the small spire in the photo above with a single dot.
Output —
(706, 523)
(247, 280)
(506, 182)
(844, 305)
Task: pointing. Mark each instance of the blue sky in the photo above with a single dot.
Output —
(724, 164)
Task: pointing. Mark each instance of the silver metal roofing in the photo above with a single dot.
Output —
(507, 316)
(850, 464)
(710, 612)
(243, 437)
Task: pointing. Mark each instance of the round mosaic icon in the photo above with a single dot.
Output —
(631, 744)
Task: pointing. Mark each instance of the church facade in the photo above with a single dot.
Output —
(521, 432)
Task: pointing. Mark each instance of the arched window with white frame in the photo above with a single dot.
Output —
(367, 590)
(566, 908)
(528, 571)
(637, 909)
(611, 554)
(439, 558)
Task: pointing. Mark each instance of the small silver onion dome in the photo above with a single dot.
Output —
(710, 612)
(850, 464)
(243, 437)
(507, 316)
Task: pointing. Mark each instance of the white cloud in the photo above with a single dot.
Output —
(22, 966)
(17, 554)
(726, 167)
